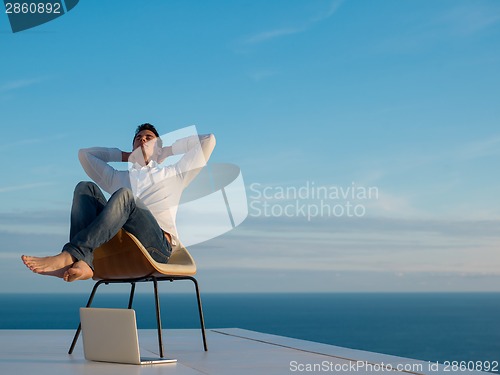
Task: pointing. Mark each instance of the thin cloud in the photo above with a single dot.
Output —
(278, 33)
(267, 35)
(473, 17)
(6, 189)
(260, 75)
(329, 12)
(456, 22)
(468, 150)
(31, 141)
(18, 84)
(480, 148)
(46, 217)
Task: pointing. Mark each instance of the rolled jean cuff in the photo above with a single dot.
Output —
(79, 255)
(158, 255)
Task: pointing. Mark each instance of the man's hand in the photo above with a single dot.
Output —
(125, 156)
(136, 156)
(165, 153)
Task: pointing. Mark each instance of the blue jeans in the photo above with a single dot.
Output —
(95, 221)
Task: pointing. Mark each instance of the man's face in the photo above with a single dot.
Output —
(146, 141)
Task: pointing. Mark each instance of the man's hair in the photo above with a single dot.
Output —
(147, 126)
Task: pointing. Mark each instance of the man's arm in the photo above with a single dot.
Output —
(95, 163)
(165, 153)
(196, 151)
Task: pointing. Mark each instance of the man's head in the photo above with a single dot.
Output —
(147, 126)
(148, 140)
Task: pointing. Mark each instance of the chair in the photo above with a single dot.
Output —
(124, 260)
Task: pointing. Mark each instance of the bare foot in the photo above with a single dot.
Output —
(78, 271)
(55, 265)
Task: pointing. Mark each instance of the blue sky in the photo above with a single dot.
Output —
(397, 95)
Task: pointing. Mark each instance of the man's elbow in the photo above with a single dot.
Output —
(208, 144)
(211, 140)
(82, 154)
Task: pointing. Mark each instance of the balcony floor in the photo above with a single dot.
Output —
(230, 351)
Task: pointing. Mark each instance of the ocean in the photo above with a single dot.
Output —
(428, 326)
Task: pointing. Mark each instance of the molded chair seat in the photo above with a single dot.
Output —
(124, 259)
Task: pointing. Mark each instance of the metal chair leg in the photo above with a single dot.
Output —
(131, 298)
(200, 312)
(158, 316)
(79, 329)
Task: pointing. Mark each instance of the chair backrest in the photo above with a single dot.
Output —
(124, 257)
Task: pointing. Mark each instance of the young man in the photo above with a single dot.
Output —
(143, 201)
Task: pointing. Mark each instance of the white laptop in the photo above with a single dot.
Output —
(110, 335)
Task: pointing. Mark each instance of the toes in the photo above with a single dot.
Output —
(25, 260)
(71, 275)
(66, 275)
